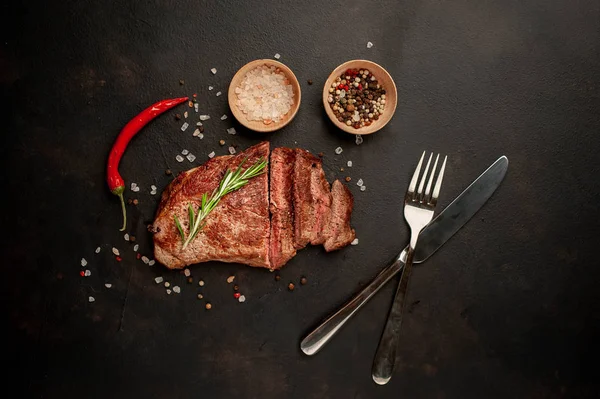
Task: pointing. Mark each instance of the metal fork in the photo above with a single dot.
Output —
(419, 207)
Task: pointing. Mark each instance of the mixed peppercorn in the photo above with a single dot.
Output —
(356, 98)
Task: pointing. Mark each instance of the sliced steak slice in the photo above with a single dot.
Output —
(338, 232)
(312, 200)
(282, 209)
(237, 230)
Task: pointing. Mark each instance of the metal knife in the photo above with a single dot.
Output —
(444, 226)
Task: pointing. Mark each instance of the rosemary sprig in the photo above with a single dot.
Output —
(232, 181)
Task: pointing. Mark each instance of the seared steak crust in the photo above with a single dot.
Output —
(338, 232)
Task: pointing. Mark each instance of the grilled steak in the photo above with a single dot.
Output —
(282, 210)
(312, 199)
(303, 210)
(338, 232)
(237, 230)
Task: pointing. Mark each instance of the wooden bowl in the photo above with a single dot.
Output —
(383, 77)
(260, 126)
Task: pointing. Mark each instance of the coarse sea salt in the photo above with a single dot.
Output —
(359, 139)
(196, 133)
(369, 44)
(126, 237)
(211, 155)
(83, 262)
(185, 114)
(359, 182)
(145, 259)
(349, 164)
(184, 152)
(151, 263)
(214, 71)
(198, 123)
(187, 272)
(339, 150)
(176, 289)
(277, 56)
(136, 247)
(184, 126)
(223, 117)
(87, 273)
(242, 298)
(134, 187)
(168, 292)
(231, 150)
(91, 299)
(115, 251)
(231, 130)
(179, 158)
(191, 157)
(98, 250)
(218, 93)
(153, 187)
(210, 87)
(264, 94)
(108, 285)
(354, 242)
(196, 107)
(158, 280)
(204, 117)
(363, 188)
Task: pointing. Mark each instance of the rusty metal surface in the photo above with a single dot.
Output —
(508, 308)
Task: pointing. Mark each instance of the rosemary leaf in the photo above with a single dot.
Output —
(179, 227)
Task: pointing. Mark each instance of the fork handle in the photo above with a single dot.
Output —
(322, 334)
(385, 358)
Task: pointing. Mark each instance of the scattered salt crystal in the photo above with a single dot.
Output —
(133, 186)
(115, 251)
(136, 247)
(151, 263)
(196, 133)
(359, 139)
(196, 107)
(338, 150)
(204, 117)
(210, 87)
(349, 164)
(83, 262)
(91, 299)
(214, 71)
(198, 123)
(201, 283)
(211, 155)
(277, 56)
(191, 157)
(359, 182)
(218, 93)
(176, 289)
(108, 285)
(98, 250)
(167, 284)
(187, 272)
(184, 126)
(230, 279)
(87, 273)
(145, 259)
(200, 136)
(354, 242)
(169, 292)
(242, 298)
(363, 188)
(126, 237)
(184, 152)
(223, 117)
(231, 130)
(185, 114)
(369, 44)
(179, 158)
(158, 280)
(231, 150)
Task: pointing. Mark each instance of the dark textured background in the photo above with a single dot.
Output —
(507, 309)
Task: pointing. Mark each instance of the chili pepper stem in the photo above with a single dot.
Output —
(119, 193)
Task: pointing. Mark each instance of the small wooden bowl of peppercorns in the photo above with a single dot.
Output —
(360, 97)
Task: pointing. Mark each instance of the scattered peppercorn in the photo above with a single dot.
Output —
(303, 280)
(190, 280)
(237, 295)
(118, 258)
(235, 288)
(168, 172)
(82, 273)
(310, 82)
(208, 306)
(190, 104)
(291, 286)
(277, 277)
(200, 296)
(341, 169)
(201, 129)
(138, 256)
(181, 82)
(177, 117)
(222, 142)
(132, 238)
(135, 201)
(194, 95)
(129, 201)
(321, 155)
(348, 178)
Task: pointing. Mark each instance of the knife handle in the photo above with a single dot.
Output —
(322, 334)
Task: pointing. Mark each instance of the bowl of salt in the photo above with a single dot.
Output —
(264, 95)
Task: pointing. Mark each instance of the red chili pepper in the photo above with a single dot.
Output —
(116, 184)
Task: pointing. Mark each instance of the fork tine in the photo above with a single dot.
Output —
(428, 189)
(413, 182)
(424, 177)
(438, 183)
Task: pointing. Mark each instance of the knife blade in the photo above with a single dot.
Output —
(440, 230)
